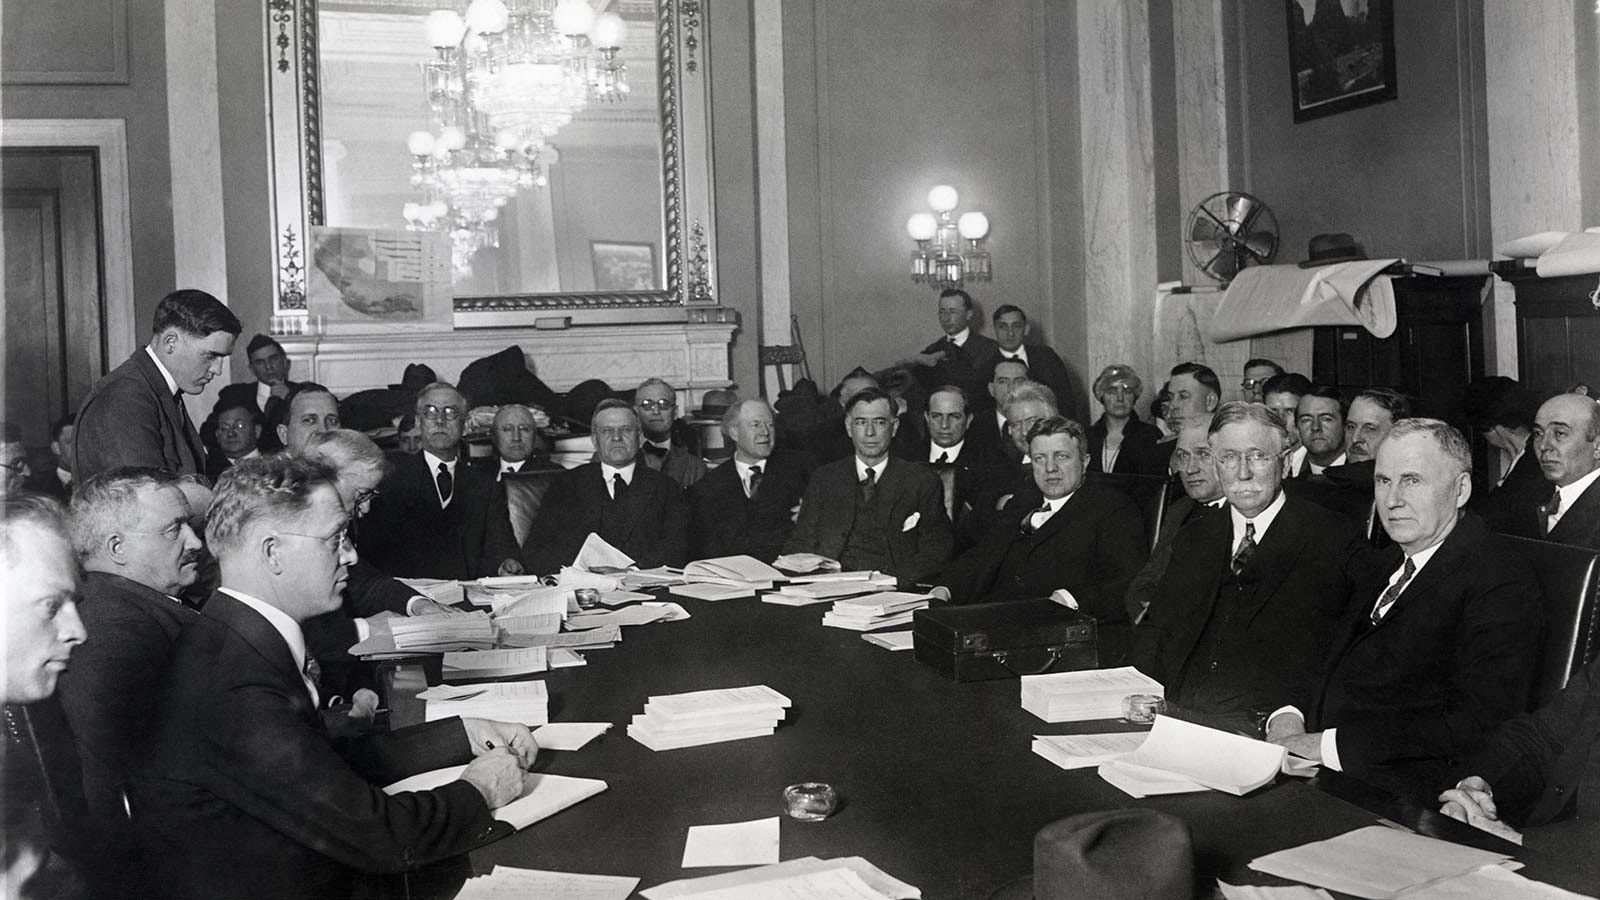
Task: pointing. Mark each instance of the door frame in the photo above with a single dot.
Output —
(109, 138)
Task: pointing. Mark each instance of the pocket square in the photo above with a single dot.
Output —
(911, 521)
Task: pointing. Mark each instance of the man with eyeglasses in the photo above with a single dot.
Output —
(1440, 637)
(130, 529)
(240, 791)
(14, 459)
(662, 447)
(1242, 616)
(432, 516)
(1256, 374)
(1202, 494)
(238, 436)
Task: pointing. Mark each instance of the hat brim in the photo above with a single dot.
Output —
(1348, 257)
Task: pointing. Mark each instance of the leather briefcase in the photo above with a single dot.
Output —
(985, 641)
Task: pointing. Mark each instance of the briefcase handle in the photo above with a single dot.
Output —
(1003, 657)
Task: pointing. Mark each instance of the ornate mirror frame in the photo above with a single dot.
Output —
(295, 137)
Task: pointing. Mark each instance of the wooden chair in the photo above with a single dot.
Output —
(1148, 492)
(781, 356)
(1570, 579)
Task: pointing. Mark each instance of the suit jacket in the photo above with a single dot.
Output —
(1454, 656)
(408, 534)
(1045, 366)
(1579, 526)
(1092, 546)
(242, 793)
(1142, 589)
(1505, 506)
(724, 522)
(969, 367)
(828, 514)
(1300, 590)
(680, 464)
(1138, 455)
(1536, 763)
(969, 482)
(652, 526)
(130, 419)
(111, 687)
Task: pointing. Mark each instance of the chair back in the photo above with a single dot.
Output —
(1148, 492)
(1570, 579)
(525, 497)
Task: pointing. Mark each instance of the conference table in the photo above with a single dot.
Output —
(937, 782)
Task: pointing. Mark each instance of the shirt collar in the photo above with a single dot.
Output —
(960, 337)
(1421, 557)
(935, 451)
(1020, 353)
(877, 468)
(1571, 493)
(1263, 519)
(663, 444)
(172, 383)
(434, 461)
(1056, 504)
(1318, 470)
(743, 468)
(263, 394)
(63, 476)
(508, 466)
(607, 471)
(286, 627)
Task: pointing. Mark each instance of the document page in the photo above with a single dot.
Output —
(1216, 759)
(507, 883)
(752, 843)
(1375, 862)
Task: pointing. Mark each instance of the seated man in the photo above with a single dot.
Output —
(57, 481)
(1503, 412)
(1202, 493)
(829, 440)
(1566, 437)
(1087, 539)
(1243, 615)
(1257, 372)
(874, 511)
(1282, 394)
(310, 410)
(1196, 391)
(1347, 487)
(632, 507)
(432, 516)
(241, 792)
(14, 458)
(266, 395)
(1011, 474)
(748, 506)
(517, 444)
(1320, 420)
(963, 466)
(237, 428)
(1440, 639)
(656, 403)
(988, 429)
(131, 531)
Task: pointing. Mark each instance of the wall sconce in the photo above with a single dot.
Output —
(939, 260)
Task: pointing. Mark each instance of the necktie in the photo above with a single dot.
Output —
(944, 458)
(1551, 508)
(1247, 549)
(1390, 595)
(189, 434)
(446, 483)
(755, 482)
(619, 487)
(1027, 521)
(869, 488)
(311, 671)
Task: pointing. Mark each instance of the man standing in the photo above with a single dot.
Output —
(633, 507)
(136, 416)
(1202, 493)
(747, 506)
(874, 511)
(431, 517)
(241, 792)
(238, 430)
(1086, 539)
(1566, 437)
(1320, 419)
(1440, 639)
(960, 356)
(656, 403)
(1243, 615)
(1011, 327)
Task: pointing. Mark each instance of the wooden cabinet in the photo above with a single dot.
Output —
(1558, 330)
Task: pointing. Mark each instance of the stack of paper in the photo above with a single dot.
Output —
(1179, 757)
(707, 717)
(642, 614)
(717, 590)
(507, 883)
(800, 592)
(439, 632)
(742, 569)
(447, 592)
(526, 702)
(596, 555)
(483, 591)
(542, 795)
(531, 601)
(802, 563)
(603, 638)
(1080, 751)
(804, 877)
(872, 611)
(495, 663)
(660, 576)
(892, 640)
(532, 623)
(1082, 696)
(1379, 862)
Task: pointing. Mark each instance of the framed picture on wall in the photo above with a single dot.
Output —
(623, 266)
(1341, 55)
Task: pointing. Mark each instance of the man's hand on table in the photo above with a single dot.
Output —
(1289, 730)
(1471, 801)
(498, 777)
(510, 566)
(426, 606)
(488, 736)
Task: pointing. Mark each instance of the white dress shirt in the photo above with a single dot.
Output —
(1038, 517)
(609, 472)
(951, 453)
(1296, 457)
(263, 394)
(172, 383)
(433, 472)
(287, 628)
(1021, 353)
(1569, 496)
(877, 470)
(960, 337)
(742, 469)
(1318, 470)
(1262, 521)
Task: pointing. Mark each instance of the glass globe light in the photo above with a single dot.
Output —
(420, 143)
(451, 138)
(487, 16)
(922, 227)
(943, 198)
(608, 30)
(573, 17)
(973, 225)
(444, 28)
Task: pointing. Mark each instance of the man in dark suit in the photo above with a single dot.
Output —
(829, 440)
(57, 481)
(1044, 365)
(1566, 438)
(874, 511)
(1320, 420)
(961, 356)
(1281, 394)
(1243, 615)
(1440, 638)
(237, 433)
(136, 416)
(432, 515)
(270, 365)
(963, 466)
(131, 532)
(1503, 412)
(517, 444)
(630, 506)
(747, 506)
(1202, 494)
(656, 403)
(241, 792)
(1085, 539)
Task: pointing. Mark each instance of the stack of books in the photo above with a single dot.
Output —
(439, 632)
(671, 721)
(874, 610)
(1084, 696)
(527, 702)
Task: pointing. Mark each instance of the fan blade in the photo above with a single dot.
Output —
(1247, 212)
(1225, 226)
(1205, 230)
(1261, 246)
(1226, 266)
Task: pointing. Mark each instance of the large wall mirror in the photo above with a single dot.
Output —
(561, 145)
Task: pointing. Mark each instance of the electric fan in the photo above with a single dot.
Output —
(1228, 231)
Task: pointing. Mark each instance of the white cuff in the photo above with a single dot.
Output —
(363, 629)
(411, 605)
(1290, 710)
(1330, 750)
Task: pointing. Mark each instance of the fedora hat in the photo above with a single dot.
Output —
(1112, 854)
(417, 376)
(1337, 247)
(715, 403)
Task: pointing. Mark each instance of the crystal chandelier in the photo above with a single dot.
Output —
(939, 260)
(505, 78)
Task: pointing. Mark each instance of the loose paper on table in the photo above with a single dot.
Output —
(542, 795)
(507, 883)
(568, 735)
(1374, 862)
(752, 843)
(876, 878)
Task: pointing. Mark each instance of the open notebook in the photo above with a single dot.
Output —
(542, 795)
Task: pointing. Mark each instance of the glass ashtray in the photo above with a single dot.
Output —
(810, 801)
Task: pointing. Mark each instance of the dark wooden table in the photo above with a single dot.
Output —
(937, 781)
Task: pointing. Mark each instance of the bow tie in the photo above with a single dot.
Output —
(656, 450)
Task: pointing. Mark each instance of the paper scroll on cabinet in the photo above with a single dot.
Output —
(1265, 299)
